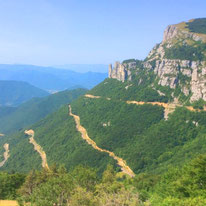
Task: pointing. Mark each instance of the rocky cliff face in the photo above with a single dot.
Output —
(178, 62)
(121, 72)
(171, 72)
(180, 31)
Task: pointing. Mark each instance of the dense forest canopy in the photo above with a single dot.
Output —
(83, 186)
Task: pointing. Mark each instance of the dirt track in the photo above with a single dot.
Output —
(92, 96)
(122, 163)
(6, 154)
(169, 107)
(38, 148)
(8, 203)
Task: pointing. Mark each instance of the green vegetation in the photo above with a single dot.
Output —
(58, 137)
(199, 104)
(186, 52)
(167, 156)
(79, 187)
(189, 49)
(183, 81)
(128, 61)
(137, 133)
(178, 186)
(125, 120)
(6, 110)
(139, 89)
(82, 186)
(166, 90)
(9, 183)
(140, 135)
(197, 25)
(13, 93)
(35, 109)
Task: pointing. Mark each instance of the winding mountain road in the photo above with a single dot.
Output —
(169, 107)
(6, 154)
(122, 163)
(38, 148)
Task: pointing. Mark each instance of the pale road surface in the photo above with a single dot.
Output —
(8, 203)
(169, 107)
(95, 97)
(6, 154)
(38, 148)
(122, 163)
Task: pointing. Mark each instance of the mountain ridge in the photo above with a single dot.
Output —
(49, 78)
(178, 64)
(14, 119)
(14, 93)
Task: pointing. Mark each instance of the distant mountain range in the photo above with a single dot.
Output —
(13, 93)
(15, 118)
(50, 79)
(83, 68)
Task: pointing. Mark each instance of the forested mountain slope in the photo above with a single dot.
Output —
(138, 133)
(13, 93)
(34, 110)
(59, 138)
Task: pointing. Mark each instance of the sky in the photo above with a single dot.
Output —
(60, 32)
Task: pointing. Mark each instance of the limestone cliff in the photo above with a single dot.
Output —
(121, 72)
(179, 61)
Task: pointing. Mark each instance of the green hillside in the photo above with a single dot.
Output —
(62, 143)
(13, 93)
(167, 153)
(140, 135)
(197, 25)
(133, 90)
(137, 133)
(6, 111)
(34, 110)
(83, 186)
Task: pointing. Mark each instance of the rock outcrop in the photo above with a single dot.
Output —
(118, 72)
(122, 71)
(180, 31)
(171, 73)
(187, 74)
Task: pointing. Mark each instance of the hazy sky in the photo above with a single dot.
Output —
(58, 32)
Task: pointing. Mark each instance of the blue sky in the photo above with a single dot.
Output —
(58, 32)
